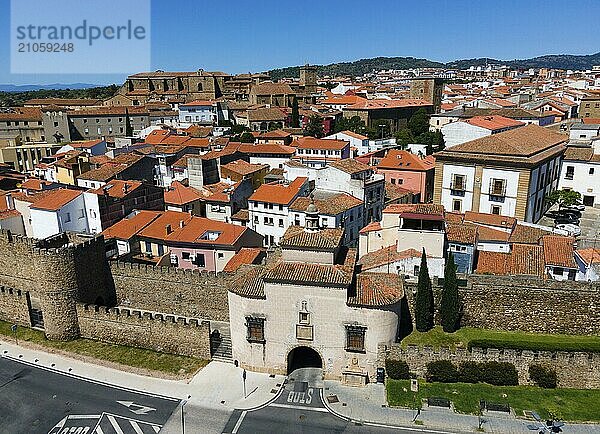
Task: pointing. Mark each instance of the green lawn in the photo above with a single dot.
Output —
(518, 340)
(129, 356)
(569, 404)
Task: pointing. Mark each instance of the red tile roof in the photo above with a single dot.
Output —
(179, 194)
(244, 168)
(246, 255)
(86, 145)
(56, 199)
(406, 161)
(127, 228)
(373, 104)
(279, 193)
(490, 219)
(558, 251)
(188, 229)
(589, 256)
(415, 208)
(325, 144)
(376, 290)
(493, 123)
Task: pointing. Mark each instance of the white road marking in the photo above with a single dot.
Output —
(84, 416)
(141, 409)
(136, 427)
(114, 424)
(239, 422)
(99, 430)
(300, 407)
(156, 428)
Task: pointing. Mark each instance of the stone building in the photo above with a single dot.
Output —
(311, 309)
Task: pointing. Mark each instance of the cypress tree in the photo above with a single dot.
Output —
(128, 127)
(450, 305)
(424, 298)
(295, 114)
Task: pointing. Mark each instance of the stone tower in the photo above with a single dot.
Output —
(308, 78)
(428, 88)
(312, 216)
(58, 291)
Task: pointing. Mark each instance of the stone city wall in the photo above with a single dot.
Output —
(14, 307)
(151, 330)
(526, 304)
(174, 290)
(574, 369)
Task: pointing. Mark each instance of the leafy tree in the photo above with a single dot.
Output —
(354, 124)
(295, 114)
(563, 197)
(314, 127)
(275, 126)
(239, 129)
(404, 137)
(419, 122)
(247, 137)
(424, 298)
(450, 304)
(379, 127)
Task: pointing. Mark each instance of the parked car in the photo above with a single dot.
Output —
(566, 219)
(571, 229)
(575, 207)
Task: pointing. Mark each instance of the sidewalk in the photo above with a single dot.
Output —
(216, 390)
(368, 404)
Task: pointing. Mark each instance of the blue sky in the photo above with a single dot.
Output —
(241, 36)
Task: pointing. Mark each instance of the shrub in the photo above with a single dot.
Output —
(499, 374)
(397, 369)
(442, 371)
(543, 376)
(469, 372)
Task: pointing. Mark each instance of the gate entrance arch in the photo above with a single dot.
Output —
(303, 357)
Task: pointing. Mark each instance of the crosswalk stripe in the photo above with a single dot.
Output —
(156, 428)
(300, 407)
(99, 430)
(239, 422)
(136, 427)
(114, 424)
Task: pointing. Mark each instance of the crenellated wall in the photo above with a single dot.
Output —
(574, 369)
(14, 306)
(151, 330)
(174, 290)
(520, 303)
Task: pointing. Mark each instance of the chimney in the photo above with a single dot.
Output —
(181, 223)
(125, 188)
(168, 229)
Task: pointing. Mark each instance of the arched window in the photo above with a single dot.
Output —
(200, 87)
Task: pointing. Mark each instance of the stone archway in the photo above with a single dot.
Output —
(303, 357)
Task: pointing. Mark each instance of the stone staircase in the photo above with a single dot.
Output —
(220, 346)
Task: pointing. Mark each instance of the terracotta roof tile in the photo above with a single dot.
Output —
(56, 199)
(330, 205)
(249, 284)
(350, 166)
(246, 256)
(179, 194)
(387, 255)
(376, 290)
(279, 193)
(558, 251)
(314, 143)
(523, 234)
(125, 229)
(493, 123)
(324, 239)
(461, 233)
(490, 219)
(589, 256)
(415, 208)
(406, 161)
(244, 168)
(310, 274)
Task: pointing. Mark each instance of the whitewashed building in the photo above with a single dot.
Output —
(580, 171)
(310, 310)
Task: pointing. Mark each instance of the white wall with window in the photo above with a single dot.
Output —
(499, 191)
(269, 219)
(583, 177)
(457, 187)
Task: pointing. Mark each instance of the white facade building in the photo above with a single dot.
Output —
(580, 171)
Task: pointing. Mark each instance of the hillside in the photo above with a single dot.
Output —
(363, 66)
(13, 99)
(359, 67)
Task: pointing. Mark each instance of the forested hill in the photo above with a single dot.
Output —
(13, 99)
(362, 66)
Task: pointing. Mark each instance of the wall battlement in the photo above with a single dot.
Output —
(574, 369)
(152, 330)
(119, 312)
(10, 292)
(160, 270)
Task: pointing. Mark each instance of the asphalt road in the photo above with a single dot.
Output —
(299, 409)
(39, 401)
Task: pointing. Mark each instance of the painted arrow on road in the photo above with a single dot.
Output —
(136, 408)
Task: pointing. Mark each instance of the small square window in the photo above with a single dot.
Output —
(304, 318)
(255, 329)
(185, 256)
